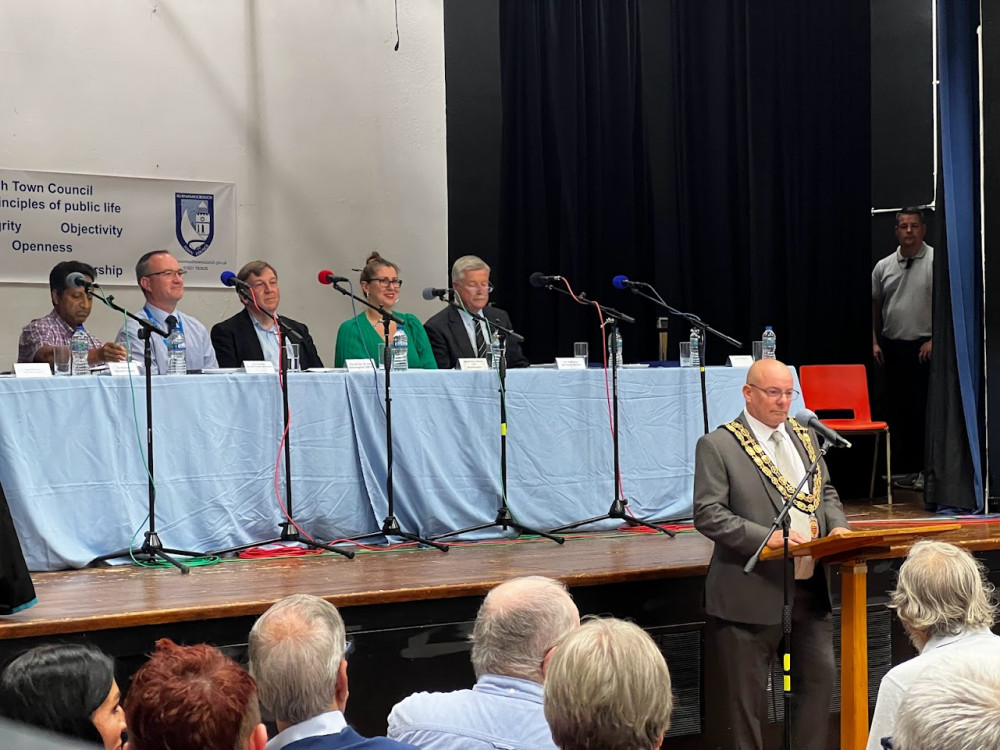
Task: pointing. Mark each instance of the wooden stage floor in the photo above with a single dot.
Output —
(84, 601)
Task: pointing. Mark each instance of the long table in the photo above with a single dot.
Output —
(72, 453)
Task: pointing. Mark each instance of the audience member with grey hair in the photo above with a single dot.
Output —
(453, 333)
(518, 624)
(608, 687)
(954, 705)
(298, 651)
(944, 602)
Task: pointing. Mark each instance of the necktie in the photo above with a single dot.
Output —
(171, 322)
(482, 348)
(800, 521)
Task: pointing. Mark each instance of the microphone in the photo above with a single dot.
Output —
(809, 419)
(78, 281)
(434, 293)
(229, 279)
(328, 277)
(622, 282)
(537, 279)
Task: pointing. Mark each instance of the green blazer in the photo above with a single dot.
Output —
(356, 339)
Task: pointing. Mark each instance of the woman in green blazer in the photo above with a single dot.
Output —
(358, 338)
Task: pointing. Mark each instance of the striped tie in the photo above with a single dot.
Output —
(482, 348)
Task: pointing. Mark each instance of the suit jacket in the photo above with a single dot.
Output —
(734, 505)
(235, 340)
(450, 338)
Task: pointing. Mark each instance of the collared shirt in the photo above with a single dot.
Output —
(499, 712)
(198, 344)
(906, 294)
(268, 338)
(804, 566)
(50, 330)
(332, 722)
(937, 650)
(470, 328)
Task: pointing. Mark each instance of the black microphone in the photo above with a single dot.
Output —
(229, 279)
(434, 293)
(77, 280)
(622, 282)
(809, 419)
(328, 277)
(537, 279)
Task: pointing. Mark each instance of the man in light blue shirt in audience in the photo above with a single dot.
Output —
(518, 624)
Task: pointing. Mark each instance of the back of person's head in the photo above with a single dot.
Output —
(607, 686)
(942, 590)
(518, 623)
(953, 705)
(192, 697)
(296, 649)
(58, 687)
(59, 272)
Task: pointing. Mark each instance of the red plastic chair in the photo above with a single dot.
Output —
(845, 388)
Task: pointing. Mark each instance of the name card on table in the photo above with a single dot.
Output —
(258, 366)
(739, 360)
(473, 363)
(359, 365)
(119, 369)
(32, 370)
(570, 363)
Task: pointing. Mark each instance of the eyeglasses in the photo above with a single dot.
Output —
(475, 287)
(168, 274)
(775, 393)
(386, 283)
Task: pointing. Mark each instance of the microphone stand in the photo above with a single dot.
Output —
(703, 330)
(152, 548)
(782, 521)
(390, 525)
(289, 530)
(504, 519)
(620, 502)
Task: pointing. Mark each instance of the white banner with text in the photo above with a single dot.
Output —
(109, 222)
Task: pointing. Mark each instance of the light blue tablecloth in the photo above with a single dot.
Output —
(71, 462)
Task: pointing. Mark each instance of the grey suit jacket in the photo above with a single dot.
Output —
(734, 505)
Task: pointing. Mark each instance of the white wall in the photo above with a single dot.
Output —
(335, 142)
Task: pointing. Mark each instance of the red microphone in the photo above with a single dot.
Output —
(328, 277)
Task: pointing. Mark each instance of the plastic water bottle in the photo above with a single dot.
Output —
(769, 344)
(616, 343)
(176, 353)
(497, 350)
(79, 346)
(695, 343)
(399, 353)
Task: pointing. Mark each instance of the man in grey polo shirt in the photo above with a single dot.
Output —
(902, 290)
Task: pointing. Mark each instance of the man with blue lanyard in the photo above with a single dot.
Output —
(161, 279)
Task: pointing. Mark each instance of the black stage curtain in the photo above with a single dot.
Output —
(574, 195)
(760, 167)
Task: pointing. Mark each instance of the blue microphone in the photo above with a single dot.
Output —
(229, 279)
(622, 282)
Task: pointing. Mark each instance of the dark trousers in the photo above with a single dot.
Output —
(16, 589)
(906, 380)
(738, 660)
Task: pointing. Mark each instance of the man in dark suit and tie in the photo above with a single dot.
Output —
(744, 470)
(454, 334)
(252, 334)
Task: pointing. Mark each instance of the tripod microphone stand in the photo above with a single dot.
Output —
(152, 548)
(620, 502)
(390, 525)
(504, 519)
(703, 330)
(782, 521)
(289, 530)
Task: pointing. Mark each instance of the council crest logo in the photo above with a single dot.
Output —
(195, 225)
